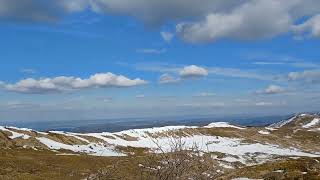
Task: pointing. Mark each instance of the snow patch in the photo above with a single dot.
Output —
(314, 130)
(263, 132)
(18, 135)
(15, 134)
(20, 129)
(225, 165)
(231, 146)
(222, 125)
(270, 129)
(279, 171)
(314, 122)
(230, 159)
(91, 149)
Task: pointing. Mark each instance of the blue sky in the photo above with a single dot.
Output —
(84, 59)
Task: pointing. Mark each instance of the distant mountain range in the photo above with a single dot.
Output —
(116, 125)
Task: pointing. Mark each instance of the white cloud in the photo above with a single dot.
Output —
(311, 27)
(167, 36)
(272, 89)
(209, 19)
(186, 72)
(252, 20)
(166, 10)
(193, 71)
(311, 76)
(167, 78)
(221, 71)
(63, 83)
(152, 51)
(38, 10)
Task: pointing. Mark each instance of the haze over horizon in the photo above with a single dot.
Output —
(102, 59)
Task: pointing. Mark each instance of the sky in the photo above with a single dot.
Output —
(93, 59)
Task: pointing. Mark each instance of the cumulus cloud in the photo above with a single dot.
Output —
(39, 10)
(157, 12)
(193, 71)
(166, 10)
(214, 19)
(272, 89)
(220, 71)
(209, 20)
(183, 73)
(63, 83)
(253, 20)
(311, 76)
(167, 36)
(167, 78)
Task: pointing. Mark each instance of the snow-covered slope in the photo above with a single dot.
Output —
(299, 121)
(313, 123)
(222, 124)
(245, 145)
(284, 122)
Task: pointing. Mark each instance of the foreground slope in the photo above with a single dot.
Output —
(234, 150)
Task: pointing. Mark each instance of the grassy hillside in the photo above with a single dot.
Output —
(28, 164)
(287, 150)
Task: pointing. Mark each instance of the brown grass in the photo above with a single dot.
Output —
(290, 169)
